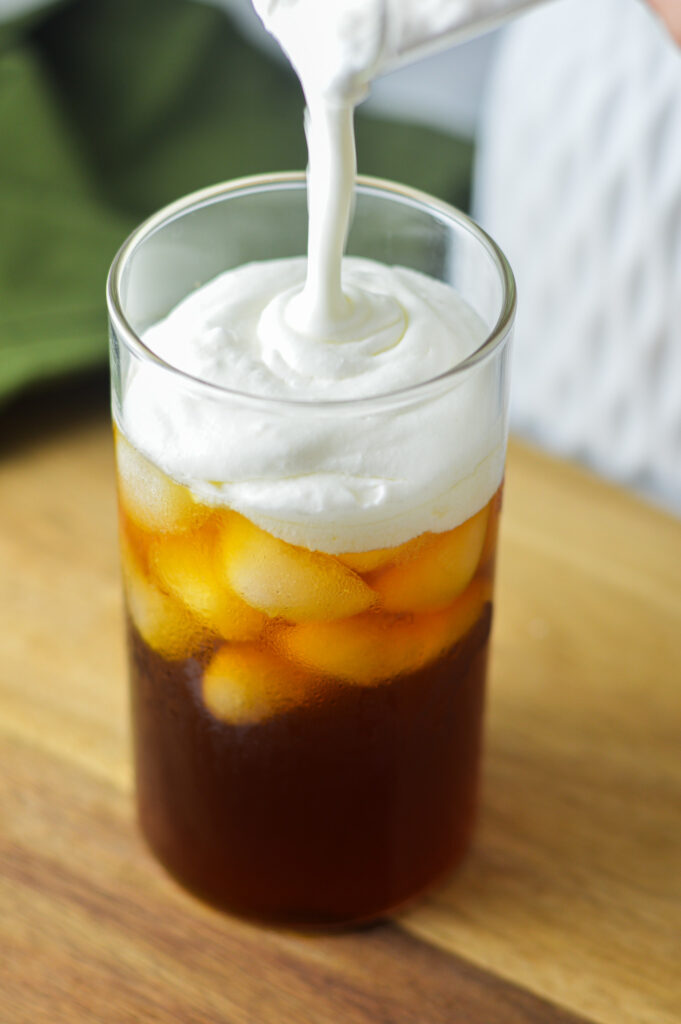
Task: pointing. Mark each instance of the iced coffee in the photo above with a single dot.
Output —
(308, 528)
(309, 380)
(307, 726)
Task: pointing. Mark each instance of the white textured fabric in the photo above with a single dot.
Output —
(579, 180)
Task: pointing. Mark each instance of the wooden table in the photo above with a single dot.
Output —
(569, 906)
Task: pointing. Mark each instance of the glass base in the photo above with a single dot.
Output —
(326, 816)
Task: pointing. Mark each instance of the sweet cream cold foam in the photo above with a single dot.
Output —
(326, 477)
(331, 479)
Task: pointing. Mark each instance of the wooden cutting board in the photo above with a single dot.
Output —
(569, 906)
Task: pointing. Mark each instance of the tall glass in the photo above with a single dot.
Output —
(307, 726)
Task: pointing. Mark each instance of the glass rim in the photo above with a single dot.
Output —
(292, 180)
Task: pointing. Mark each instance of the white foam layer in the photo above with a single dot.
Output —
(323, 478)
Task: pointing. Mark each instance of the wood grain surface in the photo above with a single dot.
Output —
(569, 906)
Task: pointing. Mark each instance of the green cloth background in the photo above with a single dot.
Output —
(112, 108)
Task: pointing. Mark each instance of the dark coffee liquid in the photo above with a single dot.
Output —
(337, 811)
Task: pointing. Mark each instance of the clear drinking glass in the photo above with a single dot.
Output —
(303, 757)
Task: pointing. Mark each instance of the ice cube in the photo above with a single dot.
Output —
(374, 647)
(244, 684)
(362, 650)
(490, 544)
(441, 569)
(368, 561)
(287, 581)
(150, 498)
(162, 622)
(186, 566)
